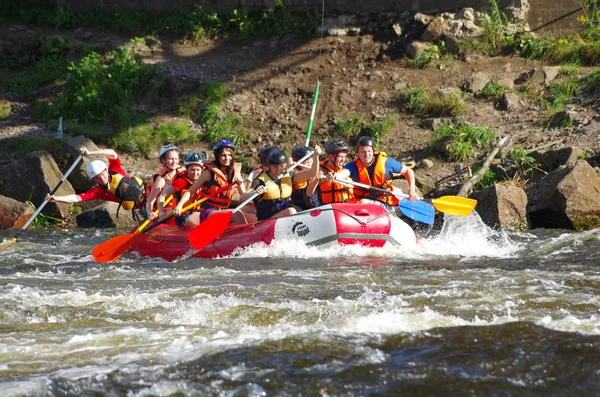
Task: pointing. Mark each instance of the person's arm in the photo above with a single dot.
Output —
(257, 187)
(108, 153)
(157, 187)
(311, 188)
(160, 200)
(69, 198)
(410, 178)
(304, 175)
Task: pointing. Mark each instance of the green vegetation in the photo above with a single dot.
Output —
(26, 75)
(559, 94)
(4, 109)
(101, 89)
(525, 164)
(423, 102)
(489, 178)
(493, 91)
(20, 146)
(205, 109)
(349, 130)
(428, 58)
(191, 22)
(463, 140)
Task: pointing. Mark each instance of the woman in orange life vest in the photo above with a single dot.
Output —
(169, 157)
(180, 185)
(275, 201)
(377, 169)
(303, 193)
(108, 178)
(329, 190)
(220, 172)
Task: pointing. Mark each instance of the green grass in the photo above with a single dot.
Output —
(464, 139)
(190, 22)
(423, 102)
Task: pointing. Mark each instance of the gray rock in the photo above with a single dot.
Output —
(503, 207)
(13, 214)
(39, 170)
(105, 216)
(567, 198)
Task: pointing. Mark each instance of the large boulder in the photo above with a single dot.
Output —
(567, 198)
(502, 206)
(30, 178)
(13, 213)
(105, 216)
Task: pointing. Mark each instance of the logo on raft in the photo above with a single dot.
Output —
(300, 229)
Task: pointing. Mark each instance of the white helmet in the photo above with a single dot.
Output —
(163, 150)
(95, 167)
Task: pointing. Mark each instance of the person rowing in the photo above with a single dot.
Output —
(275, 201)
(181, 183)
(377, 169)
(219, 173)
(112, 183)
(331, 191)
(168, 156)
(304, 193)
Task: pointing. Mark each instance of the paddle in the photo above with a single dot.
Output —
(5, 244)
(111, 250)
(452, 205)
(217, 222)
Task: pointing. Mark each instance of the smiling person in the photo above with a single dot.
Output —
(333, 168)
(181, 183)
(275, 201)
(169, 158)
(112, 182)
(377, 169)
(219, 173)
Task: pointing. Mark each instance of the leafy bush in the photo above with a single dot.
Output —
(524, 163)
(144, 138)
(103, 88)
(464, 139)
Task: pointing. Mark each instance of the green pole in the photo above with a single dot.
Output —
(312, 114)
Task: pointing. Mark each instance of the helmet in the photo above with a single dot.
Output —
(167, 148)
(300, 151)
(335, 146)
(264, 153)
(195, 158)
(276, 157)
(95, 167)
(223, 143)
(365, 141)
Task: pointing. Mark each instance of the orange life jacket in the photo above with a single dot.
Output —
(333, 192)
(218, 180)
(379, 181)
(168, 177)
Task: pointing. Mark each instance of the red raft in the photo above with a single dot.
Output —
(334, 224)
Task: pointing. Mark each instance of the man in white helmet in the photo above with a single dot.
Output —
(112, 182)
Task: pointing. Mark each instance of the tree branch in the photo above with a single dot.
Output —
(467, 187)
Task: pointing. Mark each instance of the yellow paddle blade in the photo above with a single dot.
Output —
(454, 205)
(5, 244)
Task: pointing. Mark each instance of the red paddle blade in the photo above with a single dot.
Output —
(210, 229)
(111, 250)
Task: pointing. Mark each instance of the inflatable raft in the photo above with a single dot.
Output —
(334, 224)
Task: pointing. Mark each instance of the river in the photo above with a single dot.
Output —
(470, 312)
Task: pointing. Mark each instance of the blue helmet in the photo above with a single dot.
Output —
(194, 158)
(223, 143)
(166, 149)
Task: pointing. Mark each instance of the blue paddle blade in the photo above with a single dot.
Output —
(417, 210)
